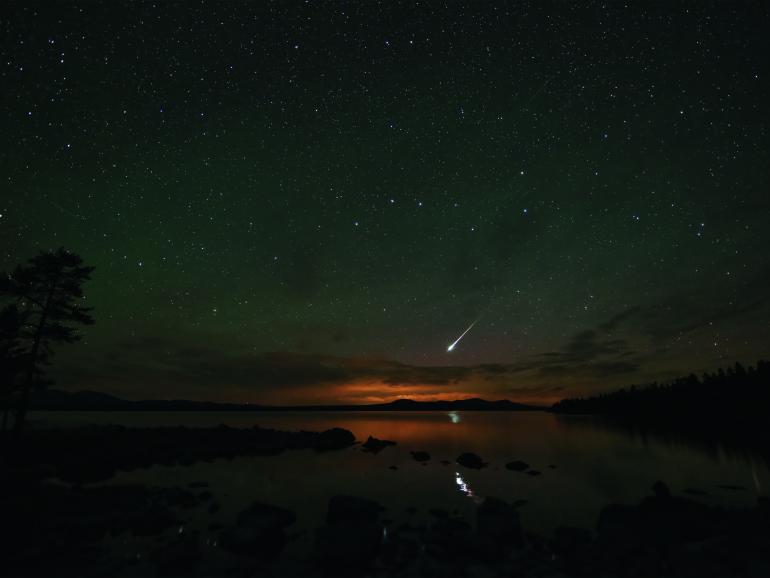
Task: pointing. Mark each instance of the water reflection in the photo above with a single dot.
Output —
(595, 465)
(465, 489)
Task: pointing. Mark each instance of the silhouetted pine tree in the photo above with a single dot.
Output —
(47, 291)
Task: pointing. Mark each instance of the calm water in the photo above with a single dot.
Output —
(593, 465)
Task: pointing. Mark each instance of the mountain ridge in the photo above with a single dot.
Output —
(60, 400)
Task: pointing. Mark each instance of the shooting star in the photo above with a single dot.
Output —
(456, 341)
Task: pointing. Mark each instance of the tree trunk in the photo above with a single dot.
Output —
(21, 411)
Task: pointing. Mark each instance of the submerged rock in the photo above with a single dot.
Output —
(334, 439)
(517, 466)
(471, 460)
(534, 472)
(375, 446)
(420, 456)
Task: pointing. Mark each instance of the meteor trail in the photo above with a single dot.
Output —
(451, 347)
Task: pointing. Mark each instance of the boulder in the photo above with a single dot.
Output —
(345, 545)
(179, 557)
(259, 531)
(517, 466)
(334, 439)
(351, 536)
(420, 456)
(471, 460)
(375, 446)
(498, 522)
(352, 509)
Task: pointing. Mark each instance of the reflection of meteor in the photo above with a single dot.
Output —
(456, 341)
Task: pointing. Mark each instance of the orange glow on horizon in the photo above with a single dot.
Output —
(373, 392)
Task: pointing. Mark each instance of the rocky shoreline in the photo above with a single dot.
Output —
(56, 523)
(96, 453)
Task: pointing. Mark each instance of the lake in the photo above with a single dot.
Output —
(584, 465)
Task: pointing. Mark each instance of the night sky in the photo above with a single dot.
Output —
(303, 202)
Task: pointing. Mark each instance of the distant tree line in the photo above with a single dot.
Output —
(732, 392)
(41, 305)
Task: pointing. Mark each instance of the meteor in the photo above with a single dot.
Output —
(456, 341)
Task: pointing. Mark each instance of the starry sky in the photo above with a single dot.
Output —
(307, 202)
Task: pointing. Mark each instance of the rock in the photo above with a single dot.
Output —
(695, 492)
(334, 439)
(618, 527)
(351, 536)
(399, 552)
(393, 467)
(552, 466)
(660, 489)
(179, 498)
(260, 515)
(517, 466)
(471, 460)
(346, 545)
(263, 545)
(179, 557)
(438, 513)
(205, 496)
(375, 446)
(574, 546)
(499, 522)
(259, 532)
(420, 456)
(445, 462)
(450, 538)
(732, 487)
(352, 509)
(534, 472)
(152, 521)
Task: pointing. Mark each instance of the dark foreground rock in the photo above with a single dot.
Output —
(54, 530)
(351, 537)
(179, 557)
(498, 522)
(375, 446)
(93, 454)
(259, 531)
(517, 466)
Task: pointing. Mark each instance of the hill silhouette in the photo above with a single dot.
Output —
(59, 400)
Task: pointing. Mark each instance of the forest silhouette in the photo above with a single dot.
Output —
(735, 391)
